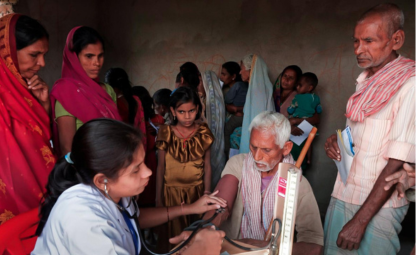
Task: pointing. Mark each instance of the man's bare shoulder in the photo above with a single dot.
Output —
(305, 187)
(234, 166)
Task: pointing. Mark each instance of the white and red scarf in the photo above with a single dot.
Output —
(257, 216)
(379, 88)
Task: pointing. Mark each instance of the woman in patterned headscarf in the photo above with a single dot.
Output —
(215, 115)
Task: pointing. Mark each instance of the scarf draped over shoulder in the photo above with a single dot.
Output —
(259, 98)
(80, 95)
(257, 215)
(379, 89)
(215, 114)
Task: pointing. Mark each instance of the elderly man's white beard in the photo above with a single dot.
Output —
(267, 167)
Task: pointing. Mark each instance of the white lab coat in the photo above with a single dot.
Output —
(84, 221)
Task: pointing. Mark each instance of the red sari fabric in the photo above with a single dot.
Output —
(148, 197)
(123, 110)
(26, 156)
(80, 95)
(139, 121)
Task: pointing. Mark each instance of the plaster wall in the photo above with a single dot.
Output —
(152, 38)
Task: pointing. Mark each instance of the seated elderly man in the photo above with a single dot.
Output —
(249, 184)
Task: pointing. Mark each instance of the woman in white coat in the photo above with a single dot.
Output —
(89, 206)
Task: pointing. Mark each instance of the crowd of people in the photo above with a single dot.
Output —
(90, 153)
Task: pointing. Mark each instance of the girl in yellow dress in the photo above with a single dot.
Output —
(184, 168)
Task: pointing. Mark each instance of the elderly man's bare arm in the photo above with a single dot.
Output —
(352, 233)
(227, 189)
(207, 241)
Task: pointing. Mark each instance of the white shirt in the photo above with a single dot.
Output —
(389, 133)
(84, 221)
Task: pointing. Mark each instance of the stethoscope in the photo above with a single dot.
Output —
(197, 225)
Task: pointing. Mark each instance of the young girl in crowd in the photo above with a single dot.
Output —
(129, 106)
(79, 96)
(191, 77)
(184, 168)
(153, 121)
(161, 100)
(208, 89)
(89, 206)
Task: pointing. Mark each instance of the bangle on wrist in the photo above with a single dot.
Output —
(167, 212)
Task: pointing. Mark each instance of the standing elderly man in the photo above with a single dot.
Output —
(249, 184)
(362, 216)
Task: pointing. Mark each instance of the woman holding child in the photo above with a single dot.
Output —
(284, 89)
(284, 93)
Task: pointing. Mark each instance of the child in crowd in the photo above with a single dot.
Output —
(184, 168)
(152, 121)
(190, 76)
(305, 103)
(129, 106)
(161, 100)
(234, 98)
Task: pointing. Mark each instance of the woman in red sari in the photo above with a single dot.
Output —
(26, 157)
(79, 96)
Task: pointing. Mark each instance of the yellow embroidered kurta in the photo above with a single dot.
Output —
(184, 170)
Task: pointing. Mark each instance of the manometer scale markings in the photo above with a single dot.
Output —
(288, 215)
